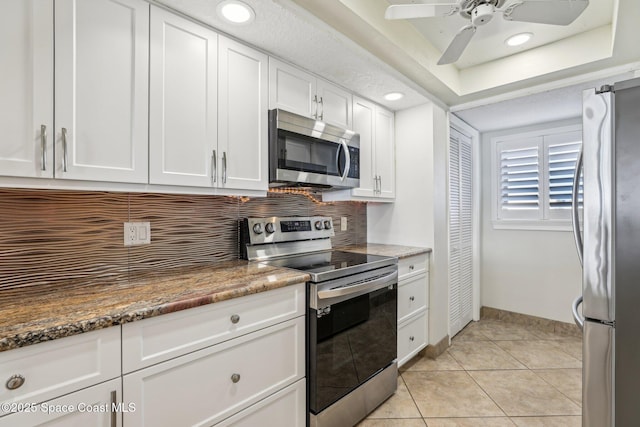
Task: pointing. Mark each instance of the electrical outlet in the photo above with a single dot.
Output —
(137, 233)
(343, 223)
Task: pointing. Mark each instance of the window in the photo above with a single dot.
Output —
(534, 178)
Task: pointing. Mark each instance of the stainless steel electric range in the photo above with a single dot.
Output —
(351, 315)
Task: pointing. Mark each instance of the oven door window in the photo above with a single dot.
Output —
(308, 154)
(350, 343)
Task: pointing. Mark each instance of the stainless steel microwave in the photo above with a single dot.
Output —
(304, 152)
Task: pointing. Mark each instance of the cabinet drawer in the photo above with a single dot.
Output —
(161, 338)
(57, 367)
(90, 407)
(199, 388)
(412, 296)
(284, 408)
(413, 265)
(412, 337)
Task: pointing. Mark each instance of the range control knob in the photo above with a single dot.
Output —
(257, 228)
(318, 225)
(269, 228)
(327, 225)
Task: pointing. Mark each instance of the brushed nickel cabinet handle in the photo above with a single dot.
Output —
(15, 381)
(411, 338)
(411, 267)
(235, 319)
(43, 147)
(321, 103)
(114, 415)
(315, 103)
(235, 378)
(412, 298)
(64, 149)
(224, 167)
(214, 166)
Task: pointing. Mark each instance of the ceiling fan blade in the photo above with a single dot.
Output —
(457, 45)
(409, 11)
(555, 12)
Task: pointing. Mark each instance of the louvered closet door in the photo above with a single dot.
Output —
(460, 231)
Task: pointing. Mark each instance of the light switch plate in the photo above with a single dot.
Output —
(343, 223)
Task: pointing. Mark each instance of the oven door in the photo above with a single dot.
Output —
(302, 154)
(351, 339)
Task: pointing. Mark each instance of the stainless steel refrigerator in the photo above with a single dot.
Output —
(610, 249)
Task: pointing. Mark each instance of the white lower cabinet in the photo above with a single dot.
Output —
(232, 362)
(209, 385)
(97, 406)
(413, 306)
(284, 408)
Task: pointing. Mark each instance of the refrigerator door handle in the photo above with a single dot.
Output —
(575, 214)
(576, 315)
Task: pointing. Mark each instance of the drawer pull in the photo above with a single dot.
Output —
(15, 381)
(411, 338)
(235, 319)
(411, 267)
(412, 298)
(235, 378)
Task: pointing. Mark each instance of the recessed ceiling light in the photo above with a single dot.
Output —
(518, 39)
(235, 12)
(393, 96)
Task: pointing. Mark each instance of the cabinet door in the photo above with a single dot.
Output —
(26, 88)
(284, 408)
(101, 87)
(96, 406)
(182, 101)
(209, 385)
(292, 89)
(335, 105)
(363, 123)
(243, 117)
(385, 153)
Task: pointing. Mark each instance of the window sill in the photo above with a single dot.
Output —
(532, 225)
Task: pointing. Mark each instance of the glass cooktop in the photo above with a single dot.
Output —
(332, 264)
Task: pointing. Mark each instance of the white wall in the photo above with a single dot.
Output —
(420, 205)
(532, 272)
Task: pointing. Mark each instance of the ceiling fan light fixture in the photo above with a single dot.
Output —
(393, 96)
(518, 39)
(235, 12)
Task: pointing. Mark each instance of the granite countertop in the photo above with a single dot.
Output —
(30, 316)
(397, 251)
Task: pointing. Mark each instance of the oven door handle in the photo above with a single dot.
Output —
(369, 286)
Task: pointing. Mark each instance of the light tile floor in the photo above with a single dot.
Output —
(494, 374)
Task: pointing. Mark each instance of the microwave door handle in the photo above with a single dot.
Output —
(347, 158)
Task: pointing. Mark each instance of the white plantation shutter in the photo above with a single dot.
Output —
(535, 175)
(460, 231)
(520, 183)
(562, 155)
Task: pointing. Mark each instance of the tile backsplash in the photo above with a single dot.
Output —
(49, 237)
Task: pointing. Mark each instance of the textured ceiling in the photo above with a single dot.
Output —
(349, 42)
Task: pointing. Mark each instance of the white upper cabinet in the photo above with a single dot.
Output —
(101, 90)
(291, 89)
(377, 154)
(364, 114)
(243, 119)
(385, 159)
(334, 105)
(183, 134)
(26, 88)
(302, 93)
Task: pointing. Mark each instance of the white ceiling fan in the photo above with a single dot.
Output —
(480, 12)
